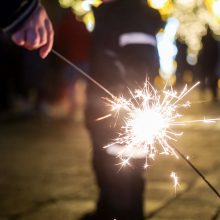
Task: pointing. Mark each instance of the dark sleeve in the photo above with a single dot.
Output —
(15, 12)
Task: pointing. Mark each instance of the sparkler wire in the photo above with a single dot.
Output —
(197, 171)
(81, 71)
(109, 93)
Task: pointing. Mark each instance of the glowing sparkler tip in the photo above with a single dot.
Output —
(125, 162)
(148, 122)
(149, 117)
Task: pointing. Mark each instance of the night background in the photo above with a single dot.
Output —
(45, 147)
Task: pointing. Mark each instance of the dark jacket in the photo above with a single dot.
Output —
(112, 62)
(14, 13)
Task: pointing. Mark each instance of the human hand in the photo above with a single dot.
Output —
(36, 33)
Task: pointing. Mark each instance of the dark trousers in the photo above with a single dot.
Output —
(120, 190)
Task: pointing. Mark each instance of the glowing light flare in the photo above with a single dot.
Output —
(179, 98)
(157, 4)
(86, 5)
(186, 3)
(195, 17)
(89, 21)
(66, 3)
(216, 9)
(175, 179)
(165, 7)
(148, 120)
(146, 125)
(167, 49)
(83, 10)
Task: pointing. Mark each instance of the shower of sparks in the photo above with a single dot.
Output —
(175, 180)
(148, 103)
(148, 121)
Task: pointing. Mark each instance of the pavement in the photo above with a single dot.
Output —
(45, 171)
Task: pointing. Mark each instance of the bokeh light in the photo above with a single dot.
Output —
(167, 49)
(83, 10)
(186, 20)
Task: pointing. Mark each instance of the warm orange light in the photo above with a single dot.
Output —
(214, 7)
(165, 7)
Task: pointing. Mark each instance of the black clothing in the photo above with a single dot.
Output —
(112, 20)
(14, 13)
(119, 60)
(207, 64)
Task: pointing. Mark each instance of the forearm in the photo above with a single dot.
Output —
(14, 13)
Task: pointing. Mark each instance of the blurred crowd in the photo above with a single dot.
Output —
(206, 67)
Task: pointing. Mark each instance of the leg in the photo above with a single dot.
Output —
(120, 191)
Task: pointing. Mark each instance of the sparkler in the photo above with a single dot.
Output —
(197, 171)
(148, 122)
(81, 72)
(148, 125)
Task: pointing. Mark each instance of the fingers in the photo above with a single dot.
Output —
(43, 36)
(32, 39)
(37, 33)
(37, 38)
(19, 38)
(44, 51)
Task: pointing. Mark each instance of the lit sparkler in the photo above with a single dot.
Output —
(148, 122)
(149, 119)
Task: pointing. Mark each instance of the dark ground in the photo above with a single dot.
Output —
(45, 171)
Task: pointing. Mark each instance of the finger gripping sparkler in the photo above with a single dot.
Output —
(146, 107)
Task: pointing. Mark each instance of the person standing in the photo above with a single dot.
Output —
(207, 64)
(123, 54)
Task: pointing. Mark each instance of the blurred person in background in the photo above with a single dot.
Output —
(205, 69)
(73, 42)
(123, 54)
(207, 64)
(182, 64)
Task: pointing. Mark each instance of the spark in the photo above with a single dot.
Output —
(149, 95)
(175, 180)
(149, 122)
(149, 118)
(104, 117)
